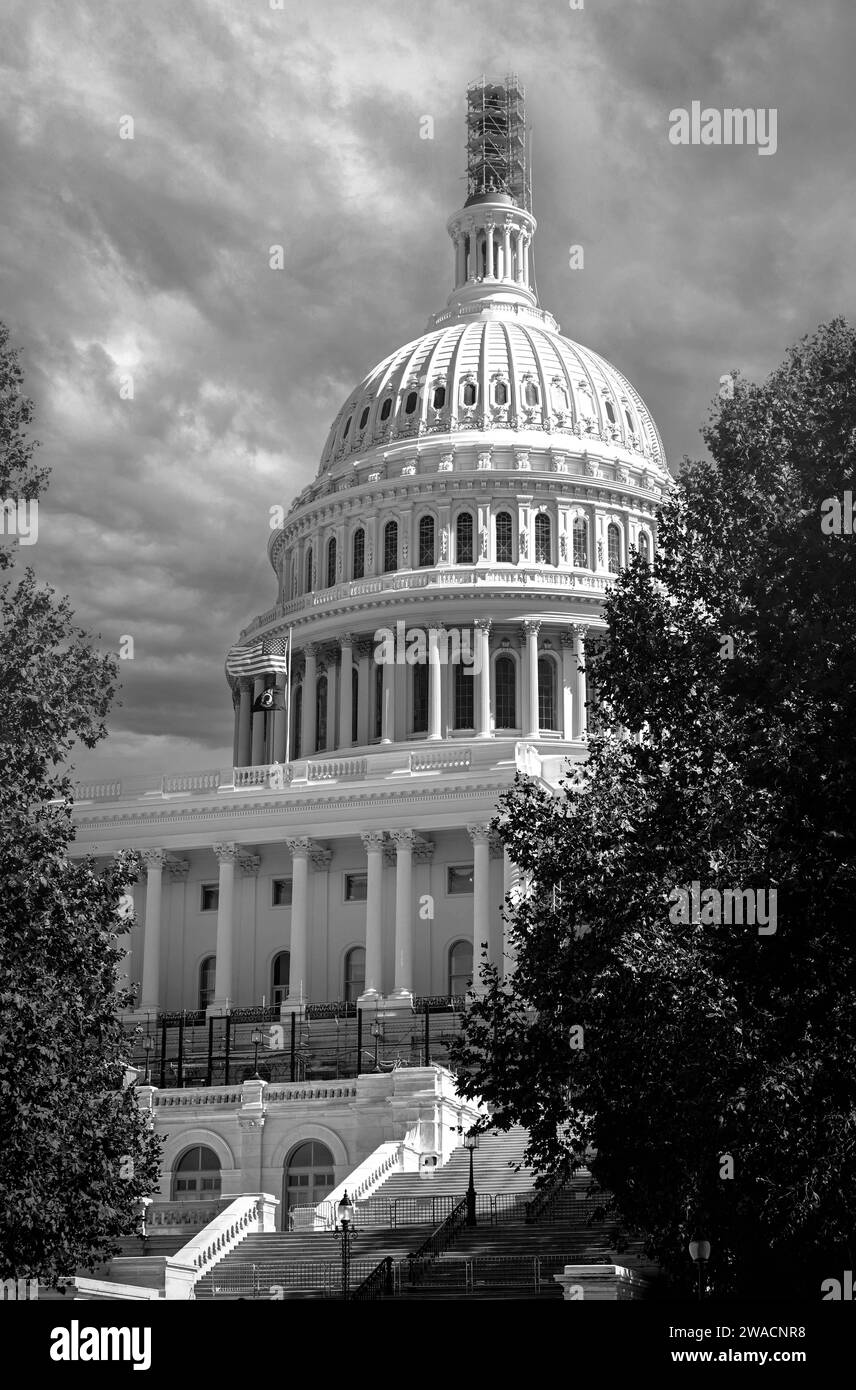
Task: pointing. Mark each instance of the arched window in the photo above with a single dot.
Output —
(613, 547)
(543, 549)
(410, 402)
(292, 592)
(296, 721)
(386, 408)
(464, 681)
(355, 974)
(460, 967)
(331, 562)
(426, 540)
(464, 539)
(378, 702)
(364, 417)
(531, 394)
(207, 977)
(439, 397)
(307, 588)
(358, 568)
(390, 546)
(420, 697)
(610, 413)
(504, 539)
(644, 546)
(469, 393)
(580, 543)
(196, 1175)
(355, 703)
(505, 684)
(320, 714)
(546, 693)
(309, 1177)
(279, 977)
(500, 393)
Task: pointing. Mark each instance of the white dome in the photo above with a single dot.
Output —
(494, 373)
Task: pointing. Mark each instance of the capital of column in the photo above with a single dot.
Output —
(310, 651)
(423, 851)
(373, 840)
(321, 858)
(300, 847)
(403, 839)
(154, 858)
(480, 834)
(347, 639)
(531, 626)
(566, 636)
(228, 854)
(484, 624)
(579, 631)
(178, 868)
(249, 864)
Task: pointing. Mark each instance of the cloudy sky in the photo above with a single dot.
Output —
(256, 125)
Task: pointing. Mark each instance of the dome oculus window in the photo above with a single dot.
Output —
(610, 413)
(410, 402)
(500, 393)
(531, 394)
(347, 426)
(469, 393)
(386, 408)
(438, 400)
(364, 417)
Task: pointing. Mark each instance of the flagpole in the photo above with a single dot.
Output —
(288, 704)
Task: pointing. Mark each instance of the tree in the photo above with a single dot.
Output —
(77, 1154)
(708, 1061)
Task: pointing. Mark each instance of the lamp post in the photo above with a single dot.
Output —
(700, 1254)
(255, 1039)
(471, 1143)
(377, 1034)
(148, 1044)
(346, 1235)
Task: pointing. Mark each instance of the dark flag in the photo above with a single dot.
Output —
(269, 699)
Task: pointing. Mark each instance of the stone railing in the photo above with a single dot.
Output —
(274, 1095)
(251, 1212)
(335, 768)
(171, 1215)
(361, 1183)
(447, 760)
(208, 1095)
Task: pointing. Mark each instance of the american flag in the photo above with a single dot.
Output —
(259, 659)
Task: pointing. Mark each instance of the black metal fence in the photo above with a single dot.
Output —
(324, 1042)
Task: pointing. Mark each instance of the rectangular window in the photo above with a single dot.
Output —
(210, 899)
(459, 879)
(420, 699)
(356, 888)
(464, 697)
(281, 892)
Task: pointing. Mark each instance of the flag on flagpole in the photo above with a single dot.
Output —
(270, 699)
(288, 700)
(259, 659)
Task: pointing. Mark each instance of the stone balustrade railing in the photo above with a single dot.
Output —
(361, 1183)
(251, 1212)
(173, 1215)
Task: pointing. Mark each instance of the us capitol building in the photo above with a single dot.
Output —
(436, 585)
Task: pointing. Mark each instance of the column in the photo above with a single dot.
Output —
(224, 989)
(388, 706)
(258, 747)
(403, 841)
(399, 703)
(331, 705)
(531, 629)
(346, 690)
(298, 983)
(460, 260)
(236, 703)
(125, 913)
(154, 860)
(373, 842)
(568, 683)
(308, 735)
(480, 836)
(482, 677)
(580, 720)
(510, 880)
(245, 722)
(364, 694)
(506, 251)
(526, 258)
(488, 269)
(280, 718)
(435, 730)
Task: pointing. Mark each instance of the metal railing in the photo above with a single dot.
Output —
(497, 1271)
(379, 1283)
(437, 1242)
(320, 1277)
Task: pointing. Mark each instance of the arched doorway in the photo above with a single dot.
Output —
(196, 1175)
(309, 1176)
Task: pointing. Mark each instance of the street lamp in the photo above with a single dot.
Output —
(346, 1235)
(700, 1254)
(471, 1143)
(256, 1039)
(148, 1044)
(377, 1034)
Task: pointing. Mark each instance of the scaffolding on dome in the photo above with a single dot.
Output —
(496, 141)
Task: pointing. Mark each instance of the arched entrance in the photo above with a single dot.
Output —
(309, 1176)
(196, 1175)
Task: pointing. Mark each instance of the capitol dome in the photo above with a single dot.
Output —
(496, 373)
